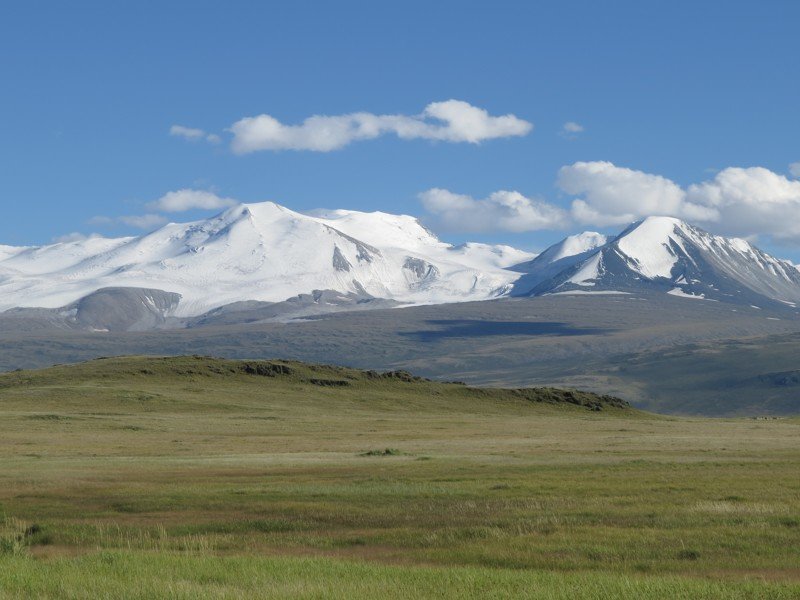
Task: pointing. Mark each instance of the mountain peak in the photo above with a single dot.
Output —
(654, 220)
(669, 255)
(261, 252)
(649, 243)
(381, 229)
(655, 228)
(556, 259)
(259, 211)
(575, 244)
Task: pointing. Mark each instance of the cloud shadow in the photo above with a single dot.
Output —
(469, 328)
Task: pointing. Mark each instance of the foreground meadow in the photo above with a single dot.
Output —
(199, 478)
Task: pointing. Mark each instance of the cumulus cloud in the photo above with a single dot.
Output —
(194, 135)
(611, 195)
(752, 201)
(188, 199)
(745, 202)
(146, 221)
(501, 211)
(571, 130)
(794, 169)
(449, 121)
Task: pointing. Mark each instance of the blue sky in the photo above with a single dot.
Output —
(669, 94)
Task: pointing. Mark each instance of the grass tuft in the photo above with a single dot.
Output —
(384, 452)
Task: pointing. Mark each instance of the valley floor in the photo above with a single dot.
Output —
(190, 478)
(662, 353)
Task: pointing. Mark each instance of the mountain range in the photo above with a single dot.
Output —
(663, 254)
(258, 262)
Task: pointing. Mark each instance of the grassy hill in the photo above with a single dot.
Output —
(196, 477)
(623, 345)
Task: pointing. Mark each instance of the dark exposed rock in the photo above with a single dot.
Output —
(340, 263)
(422, 269)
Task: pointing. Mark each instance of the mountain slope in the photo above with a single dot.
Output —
(666, 254)
(557, 258)
(261, 252)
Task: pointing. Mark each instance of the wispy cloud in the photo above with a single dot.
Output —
(75, 237)
(570, 130)
(194, 135)
(501, 211)
(171, 202)
(189, 199)
(146, 221)
(450, 121)
(794, 169)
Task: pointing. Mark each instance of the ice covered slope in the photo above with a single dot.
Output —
(662, 253)
(262, 252)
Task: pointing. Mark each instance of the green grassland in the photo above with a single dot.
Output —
(202, 478)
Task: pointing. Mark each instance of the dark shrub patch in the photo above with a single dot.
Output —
(329, 382)
(384, 452)
(265, 369)
(402, 376)
(687, 554)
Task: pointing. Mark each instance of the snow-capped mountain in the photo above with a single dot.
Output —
(669, 255)
(262, 252)
(266, 262)
(556, 259)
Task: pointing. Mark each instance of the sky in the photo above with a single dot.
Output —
(504, 122)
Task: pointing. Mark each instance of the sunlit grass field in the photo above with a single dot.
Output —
(199, 478)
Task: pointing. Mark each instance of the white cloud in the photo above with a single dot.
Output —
(571, 130)
(794, 169)
(746, 202)
(752, 201)
(188, 133)
(176, 201)
(188, 199)
(449, 121)
(147, 221)
(501, 211)
(194, 135)
(611, 195)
